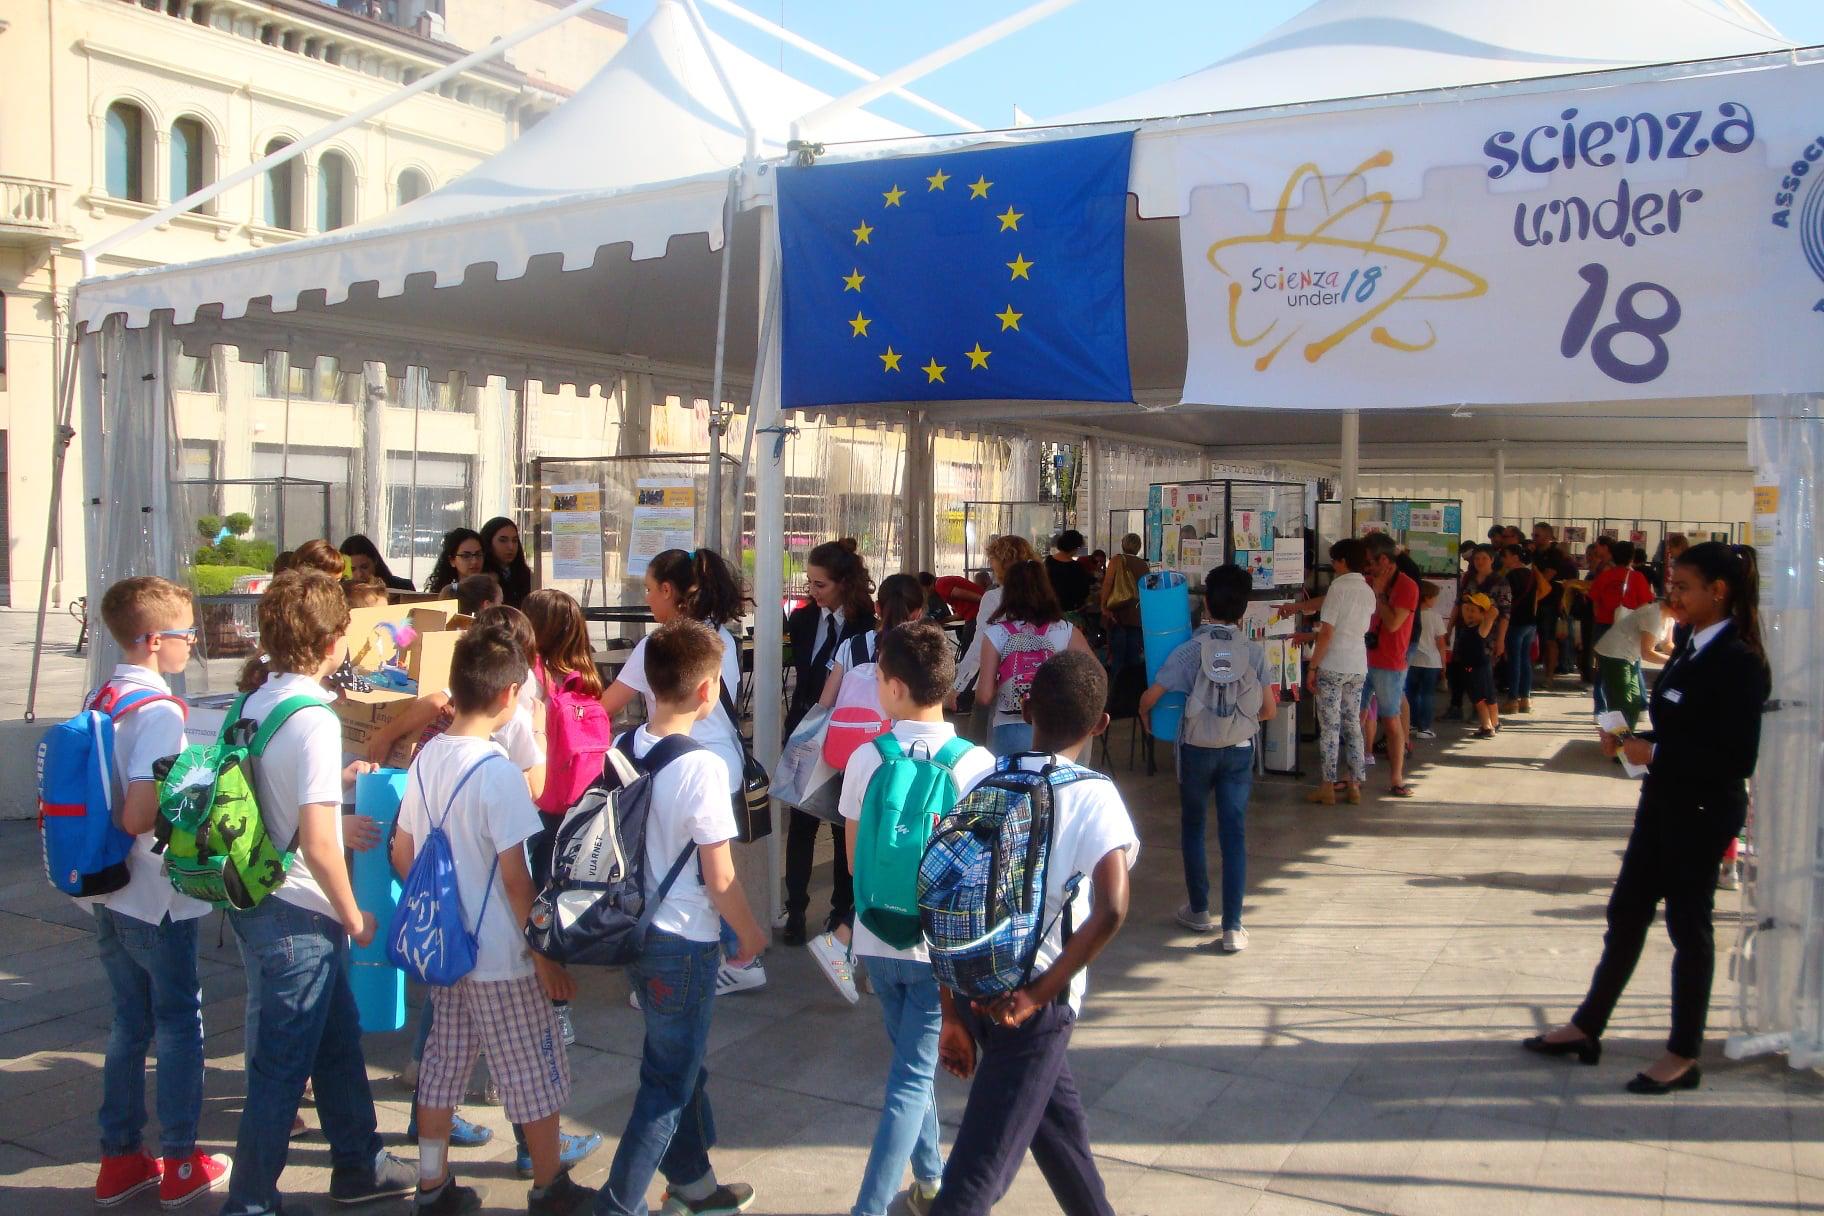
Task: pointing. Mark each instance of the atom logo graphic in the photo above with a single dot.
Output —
(1347, 274)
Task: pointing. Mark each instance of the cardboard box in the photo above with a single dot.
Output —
(357, 735)
(369, 646)
(429, 660)
(375, 708)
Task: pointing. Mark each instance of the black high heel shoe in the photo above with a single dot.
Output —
(1691, 1078)
(1586, 1049)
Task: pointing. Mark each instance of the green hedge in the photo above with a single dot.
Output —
(219, 580)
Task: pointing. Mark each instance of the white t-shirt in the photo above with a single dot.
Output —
(518, 736)
(1348, 608)
(1622, 639)
(690, 805)
(716, 732)
(141, 739)
(302, 767)
(969, 663)
(492, 814)
(1089, 822)
(1426, 650)
(927, 738)
(1056, 638)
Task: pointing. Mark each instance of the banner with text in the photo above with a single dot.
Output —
(1663, 239)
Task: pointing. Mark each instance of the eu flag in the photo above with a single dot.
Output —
(963, 276)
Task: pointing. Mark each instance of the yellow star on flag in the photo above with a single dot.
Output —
(852, 280)
(937, 181)
(893, 196)
(979, 187)
(978, 357)
(1010, 219)
(934, 371)
(862, 233)
(1009, 318)
(860, 325)
(890, 360)
(1019, 266)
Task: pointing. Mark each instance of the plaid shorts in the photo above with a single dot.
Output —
(513, 1022)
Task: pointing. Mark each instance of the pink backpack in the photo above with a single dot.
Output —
(856, 718)
(1025, 653)
(578, 735)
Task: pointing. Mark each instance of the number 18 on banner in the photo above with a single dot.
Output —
(1631, 348)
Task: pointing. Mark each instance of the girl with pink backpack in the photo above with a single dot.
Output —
(1026, 629)
(850, 691)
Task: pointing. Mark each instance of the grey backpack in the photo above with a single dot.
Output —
(1224, 706)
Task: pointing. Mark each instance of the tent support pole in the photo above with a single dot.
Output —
(718, 416)
(1351, 467)
(1498, 500)
(766, 422)
(61, 435)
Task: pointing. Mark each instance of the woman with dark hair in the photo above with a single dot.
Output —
(1026, 629)
(841, 607)
(502, 556)
(366, 565)
(462, 554)
(1070, 580)
(1701, 750)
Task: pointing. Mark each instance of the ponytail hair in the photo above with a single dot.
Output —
(836, 559)
(901, 597)
(561, 639)
(1738, 568)
(706, 587)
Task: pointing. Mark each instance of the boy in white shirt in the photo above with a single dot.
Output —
(1425, 661)
(1023, 1095)
(146, 931)
(464, 781)
(296, 939)
(915, 666)
(671, 1128)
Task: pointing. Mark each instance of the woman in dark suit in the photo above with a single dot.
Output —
(1706, 716)
(842, 606)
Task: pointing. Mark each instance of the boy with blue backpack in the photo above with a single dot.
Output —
(463, 825)
(671, 1128)
(895, 790)
(146, 931)
(1224, 678)
(1011, 997)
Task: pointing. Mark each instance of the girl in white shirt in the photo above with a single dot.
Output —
(1338, 667)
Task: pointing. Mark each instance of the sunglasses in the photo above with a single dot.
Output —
(187, 635)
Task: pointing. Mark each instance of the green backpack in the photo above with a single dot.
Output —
(209, 828)
(905, 798)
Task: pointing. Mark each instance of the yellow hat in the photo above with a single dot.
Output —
(1479, 600)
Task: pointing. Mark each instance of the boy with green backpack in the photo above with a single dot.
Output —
(896, 789)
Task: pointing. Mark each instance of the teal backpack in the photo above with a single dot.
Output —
(905, 798)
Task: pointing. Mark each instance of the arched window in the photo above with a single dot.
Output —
(190, 159)
(276, 194)
(126, 151)
(335, 189)
(412, 184)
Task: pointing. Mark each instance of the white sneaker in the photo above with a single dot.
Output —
(833, 958)
(1234, 941)
(1424, 734)
(1196, 922)
(565, 1027)
(633, 998)
(732, 979)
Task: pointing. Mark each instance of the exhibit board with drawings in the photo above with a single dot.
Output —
(1261, 526)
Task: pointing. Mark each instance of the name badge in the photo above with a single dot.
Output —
(1674, 695)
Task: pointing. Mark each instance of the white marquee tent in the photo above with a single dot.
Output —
(587, 250)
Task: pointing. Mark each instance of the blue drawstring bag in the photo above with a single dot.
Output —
(428, 939)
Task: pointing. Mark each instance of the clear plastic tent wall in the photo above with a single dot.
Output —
(1779, 961)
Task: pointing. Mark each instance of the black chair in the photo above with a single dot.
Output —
(1126, 685)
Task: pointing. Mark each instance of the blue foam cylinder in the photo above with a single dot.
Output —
(1165, 623)
(379, 986)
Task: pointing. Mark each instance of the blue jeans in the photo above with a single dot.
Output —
(1229, 773)
(1010, 738)
(1520, 661)
(308, 1029)
(671, 1129)
(908, 1118)
(1421, 687)
(152, 970)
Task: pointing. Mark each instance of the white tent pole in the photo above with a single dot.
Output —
(769, 544)
(1498, 500)
(718, 421)
(92, 253)
(924, 65)
(836, 61)
(728, 86)
(1351, 467)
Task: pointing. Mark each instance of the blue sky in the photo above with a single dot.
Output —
(1094, 51)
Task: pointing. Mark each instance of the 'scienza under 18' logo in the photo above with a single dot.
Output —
(1799, 206)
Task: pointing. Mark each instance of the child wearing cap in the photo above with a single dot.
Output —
(1469, 655)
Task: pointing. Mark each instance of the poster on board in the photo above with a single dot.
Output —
(575, 512)
(664, 517)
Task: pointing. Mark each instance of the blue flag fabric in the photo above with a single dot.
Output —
(966, 276)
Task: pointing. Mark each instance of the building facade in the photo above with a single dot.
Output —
(117, 108)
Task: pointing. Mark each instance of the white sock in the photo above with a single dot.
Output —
(430, 1162)
(701, 1189)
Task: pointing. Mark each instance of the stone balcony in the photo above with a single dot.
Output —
(32, 211)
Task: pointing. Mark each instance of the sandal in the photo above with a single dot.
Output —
(1484, 733)
(1400, 791)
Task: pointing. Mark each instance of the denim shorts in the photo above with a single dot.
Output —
(1386, 686)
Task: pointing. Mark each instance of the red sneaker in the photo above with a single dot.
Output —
(188, 1177)
(125, 1176)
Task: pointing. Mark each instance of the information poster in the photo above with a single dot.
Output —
(1425, 519)
(1211, 555)
(1766, 523)
(1453, 520)
(1435, 552)
(664, 517)
(575, 511)
(1289, 561)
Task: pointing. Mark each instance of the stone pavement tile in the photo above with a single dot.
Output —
(1697, 1184)
(1170, 1193)
(1728, 1120)
(1472, 1163)
(1601, 1177)
(1290, 1205)
(1358, 1153)
(1253, 1127)
(1805, 1113)
(1160, 1094)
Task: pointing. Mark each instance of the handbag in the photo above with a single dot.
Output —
(753, 801)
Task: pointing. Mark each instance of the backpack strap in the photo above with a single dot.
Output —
(119, 706)
(950, 753)
(663, 752)
(888, 747)
(277, 717)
